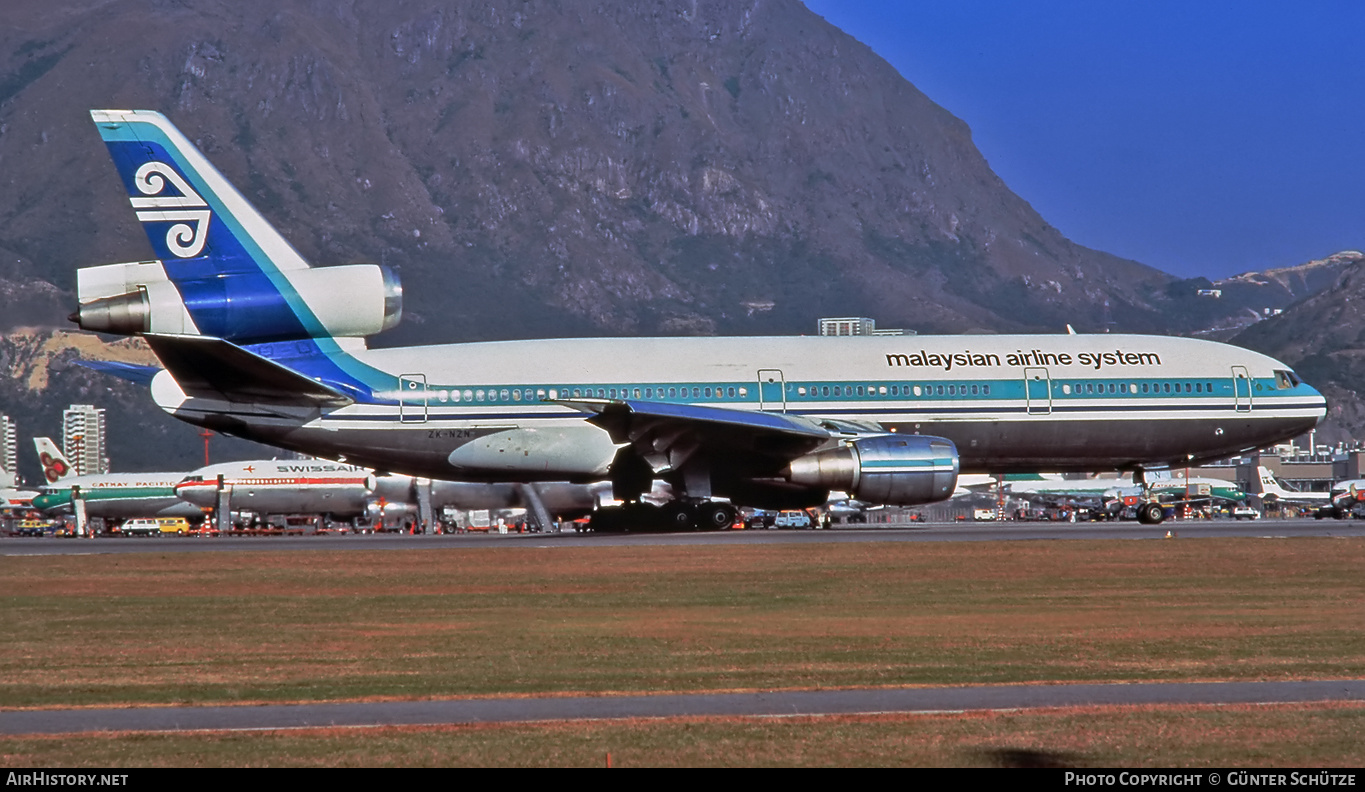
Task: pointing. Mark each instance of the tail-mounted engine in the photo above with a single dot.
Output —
(353, 300)
(900, 470)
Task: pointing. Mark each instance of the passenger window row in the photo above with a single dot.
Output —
(477, 395)
(813, 391)
(1133, 388)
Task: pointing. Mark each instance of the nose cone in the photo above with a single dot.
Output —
(1303, 409)
(1323, 399)
(1315, 401)
(52, 500)
(197, 492)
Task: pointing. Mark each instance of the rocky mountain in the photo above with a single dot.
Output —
(1323, 338)
(1220, 309)
(551, 167)
(547, 167)
(1278, 288)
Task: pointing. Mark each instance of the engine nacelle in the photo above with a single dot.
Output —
(899, 470)
(125, 299)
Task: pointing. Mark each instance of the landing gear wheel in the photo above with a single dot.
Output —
(1151, 514)
(716, 516)
(678, 516)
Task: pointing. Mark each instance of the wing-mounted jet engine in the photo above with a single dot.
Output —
(354, 300)
(898, 470)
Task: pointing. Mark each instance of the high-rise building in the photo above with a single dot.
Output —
(847, 325)
(83, 439)
(9, 449)
(857, 326)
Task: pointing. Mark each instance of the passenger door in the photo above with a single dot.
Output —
(772, 390)
(1038, 391)
(412, 401)
(1241, 388)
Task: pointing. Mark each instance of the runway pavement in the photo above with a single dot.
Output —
(927, 532)
(769, 703)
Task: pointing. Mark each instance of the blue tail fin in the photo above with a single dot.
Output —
(191, 213)
(235, 277)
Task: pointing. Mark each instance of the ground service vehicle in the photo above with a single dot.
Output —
(140, 526)
(173, 525)
(32, 527)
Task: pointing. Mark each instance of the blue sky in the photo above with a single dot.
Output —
(1200, 137)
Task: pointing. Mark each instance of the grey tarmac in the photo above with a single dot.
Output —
(757, 704)
(926, 532)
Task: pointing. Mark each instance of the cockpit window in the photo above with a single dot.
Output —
(1285, 379)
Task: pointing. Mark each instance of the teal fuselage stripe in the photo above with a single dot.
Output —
(1060, 393)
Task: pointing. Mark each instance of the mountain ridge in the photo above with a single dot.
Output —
(631, 169)
(548, 169)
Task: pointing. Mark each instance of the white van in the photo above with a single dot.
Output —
(140, 526)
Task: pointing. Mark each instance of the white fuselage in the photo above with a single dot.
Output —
(281, 486)
(491, 411)
(320, 486)
(118, 496)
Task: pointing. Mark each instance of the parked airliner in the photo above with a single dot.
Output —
(286, 486)
(11, 497)
(1168, 485)
(114, 496)
(1339, 502)
(256, 343)
(1272, 490)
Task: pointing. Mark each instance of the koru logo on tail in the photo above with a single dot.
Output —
(183, 240)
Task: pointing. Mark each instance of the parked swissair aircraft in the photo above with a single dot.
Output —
(292, 486)
(258, 344)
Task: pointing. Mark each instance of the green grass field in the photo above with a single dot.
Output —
(345, 625)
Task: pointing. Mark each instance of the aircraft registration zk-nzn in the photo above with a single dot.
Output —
(257, 343)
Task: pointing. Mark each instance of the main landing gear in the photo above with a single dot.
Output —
(674, 516)
(1150, 514)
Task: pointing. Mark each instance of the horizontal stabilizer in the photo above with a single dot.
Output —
(140, 375)
(212, 368)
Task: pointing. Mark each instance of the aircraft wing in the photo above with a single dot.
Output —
(213, 368)
(666, 435)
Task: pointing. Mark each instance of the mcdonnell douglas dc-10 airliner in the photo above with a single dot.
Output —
(257, 343)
